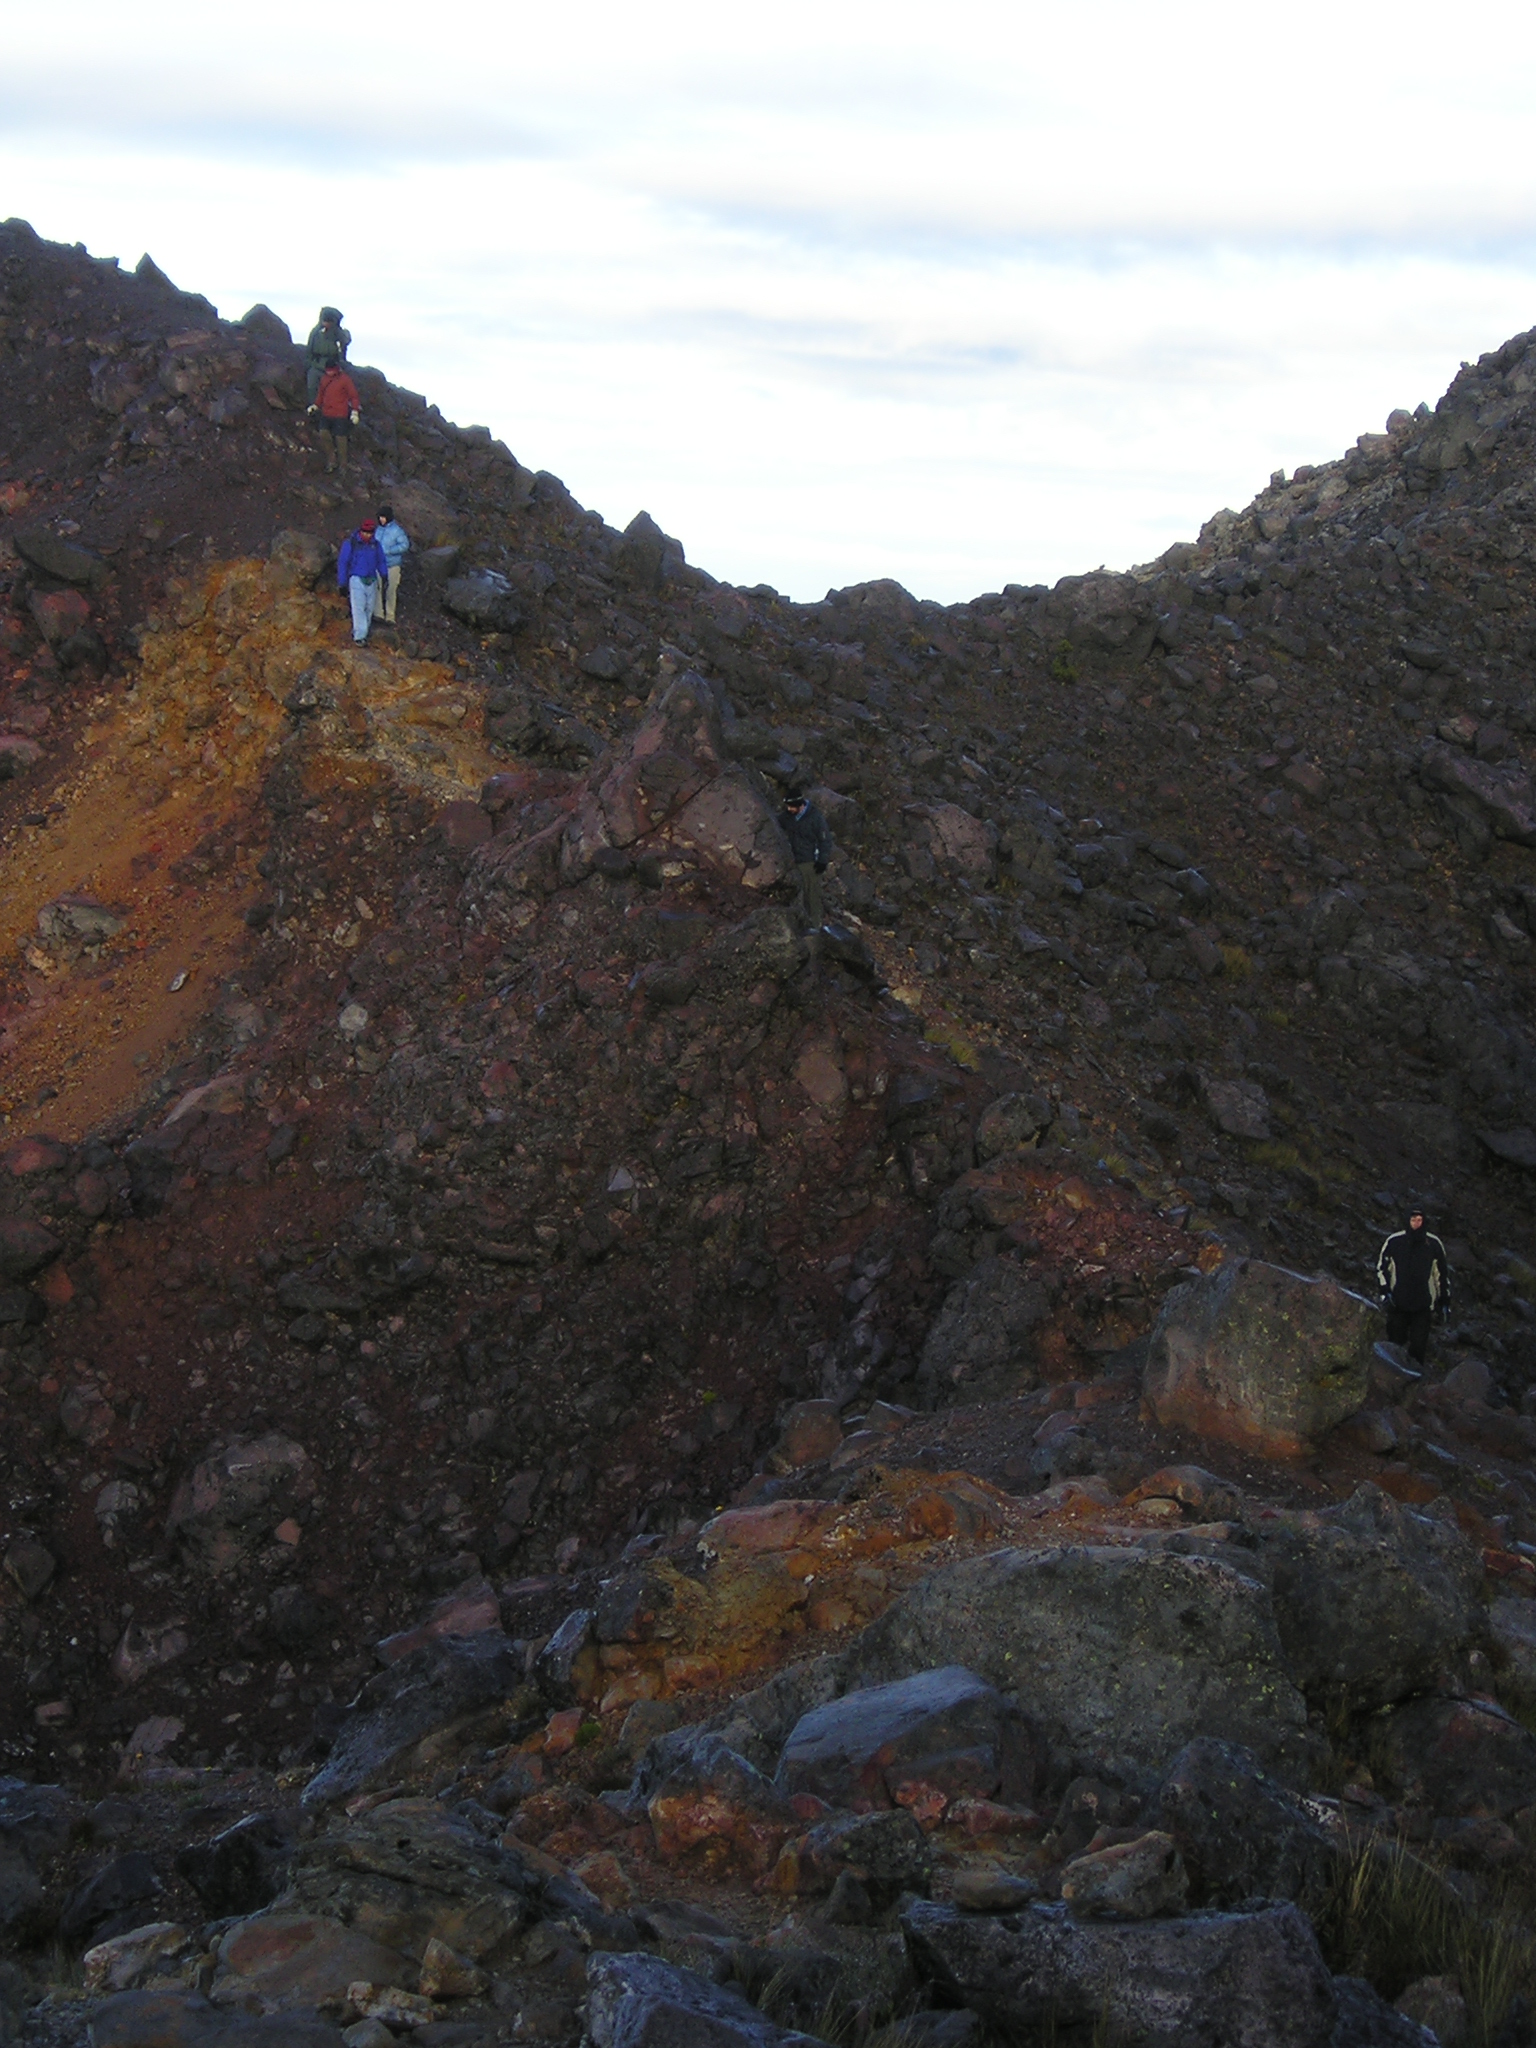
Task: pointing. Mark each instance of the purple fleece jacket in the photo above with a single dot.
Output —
(359, 557)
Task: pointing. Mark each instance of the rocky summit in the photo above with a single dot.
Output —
(590, 1462)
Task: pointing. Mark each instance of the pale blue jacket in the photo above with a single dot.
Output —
(395, 542)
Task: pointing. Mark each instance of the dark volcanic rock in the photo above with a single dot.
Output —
(58, 557)
(1240, 1833)
(242, 1869)
(1373, 1600)
(1219, 1980)
(1118, 1657)
(116, 1899)
(1459, 1756)
(396, 1708)
(640, 2001)
(854, 1752)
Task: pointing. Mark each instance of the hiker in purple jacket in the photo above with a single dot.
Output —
(359, 569)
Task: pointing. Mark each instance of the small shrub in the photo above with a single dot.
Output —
(1063, 667)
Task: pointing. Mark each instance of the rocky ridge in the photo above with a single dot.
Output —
(412, 1053)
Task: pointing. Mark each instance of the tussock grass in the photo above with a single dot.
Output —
(1392, 1917)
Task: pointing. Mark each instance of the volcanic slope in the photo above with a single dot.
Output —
(413, 1063)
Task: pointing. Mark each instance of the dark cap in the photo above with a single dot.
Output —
(386, 511)
(794, 796)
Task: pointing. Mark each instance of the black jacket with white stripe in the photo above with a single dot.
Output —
(1413, 1271)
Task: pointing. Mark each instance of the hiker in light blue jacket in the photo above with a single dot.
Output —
(396, 543)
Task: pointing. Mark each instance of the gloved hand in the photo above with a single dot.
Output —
(355, 418)
(313, 410)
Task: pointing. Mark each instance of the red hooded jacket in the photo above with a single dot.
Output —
(337, 395)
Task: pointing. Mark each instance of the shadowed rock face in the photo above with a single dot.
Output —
(1256, 1356)
(1373, 1601)
(1229, 1980)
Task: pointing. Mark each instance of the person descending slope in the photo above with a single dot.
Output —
(1414, 1275)
(360, 567)
(339, 408)
(810, 847)
(396, 543)
(328, 345)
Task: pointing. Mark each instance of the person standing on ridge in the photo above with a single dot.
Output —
(396, 543)
(810, 847)
(339, 408)
(328, 345)
(1414, 1275)
(360, 567)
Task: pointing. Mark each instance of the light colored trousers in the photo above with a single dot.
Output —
(364, 593)
(391, 592)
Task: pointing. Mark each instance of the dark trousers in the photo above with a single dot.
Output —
(809, 884)
(1410, 1328)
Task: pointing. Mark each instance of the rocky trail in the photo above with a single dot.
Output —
(587, 1463)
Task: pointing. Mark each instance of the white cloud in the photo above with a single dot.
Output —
(841, 291)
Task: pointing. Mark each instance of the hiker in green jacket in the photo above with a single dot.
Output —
(328, 345)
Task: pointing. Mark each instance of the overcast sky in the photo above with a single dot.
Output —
(965, 295)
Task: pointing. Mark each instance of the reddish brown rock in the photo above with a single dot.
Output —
(778, 1525)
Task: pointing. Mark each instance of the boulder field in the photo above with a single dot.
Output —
(588, 1464)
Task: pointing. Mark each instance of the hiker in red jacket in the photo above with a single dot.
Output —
(339, 406)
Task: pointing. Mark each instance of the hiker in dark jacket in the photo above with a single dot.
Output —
(328, 345)
(359, 568)
(810, 846)
(1414, 1275)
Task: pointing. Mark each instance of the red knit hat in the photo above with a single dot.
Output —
(368, 526)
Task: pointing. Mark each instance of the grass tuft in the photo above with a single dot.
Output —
(1392, 1918)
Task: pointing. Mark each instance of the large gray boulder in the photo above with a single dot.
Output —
(411, 1871)
(1373, 1600)
(1257, 1356)
(984, 1328)
(1119, 1657)
(1216, 1980)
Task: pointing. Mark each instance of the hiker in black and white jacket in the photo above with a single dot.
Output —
(1414, 1275)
